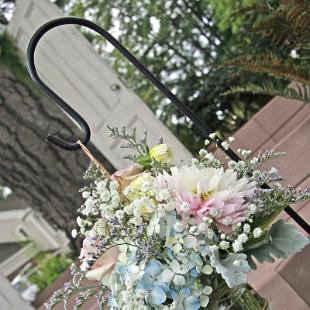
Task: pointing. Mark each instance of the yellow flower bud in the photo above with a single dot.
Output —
(162, 153)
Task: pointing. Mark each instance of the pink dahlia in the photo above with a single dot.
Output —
(213, 192)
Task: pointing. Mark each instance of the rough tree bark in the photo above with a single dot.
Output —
(46, 177)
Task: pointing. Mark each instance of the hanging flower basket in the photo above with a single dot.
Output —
(164, 236)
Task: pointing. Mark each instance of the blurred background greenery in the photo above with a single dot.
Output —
(208, 52)
(224, 59)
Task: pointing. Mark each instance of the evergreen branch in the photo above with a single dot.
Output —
(275, 66)
(131, 142)
(298, 92)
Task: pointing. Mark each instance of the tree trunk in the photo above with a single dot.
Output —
(46, 177)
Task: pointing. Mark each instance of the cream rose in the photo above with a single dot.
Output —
(162, 153)
(125, 176)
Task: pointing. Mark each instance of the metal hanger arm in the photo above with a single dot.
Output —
(205, 130)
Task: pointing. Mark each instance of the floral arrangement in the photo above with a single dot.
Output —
(161, 236)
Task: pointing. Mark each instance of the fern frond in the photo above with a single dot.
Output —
(296, 92)
(273, 65)
(288, 25)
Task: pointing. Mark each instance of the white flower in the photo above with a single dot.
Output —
(209, 156)
(89, 204)
(246, 228)
(214, 212)
(185, 206)
(204, 300)
(137, 212)
(177, 248)
(202, 227)
(105, 195)
(85, 194)
(231, 164)
(178, 226)
(136, 220)
(294, 54)
(212, 135)
(243, 238)
(225, 145)
(79, 221)
(224, 245)
(193, 229)
(195, 161)
(256, 174)
(273, 170)
(252, 208)
(207, 289)
(146, 186)
(74, 233)
(119, 214)
(246, 152)
(254, 161)
(210, 233)
(203, 152)
(237, 246)
(175, 273)
(231, 139)
(163, 194)
(257, 232)
(101, 186)
(207, 142)
(227, 220)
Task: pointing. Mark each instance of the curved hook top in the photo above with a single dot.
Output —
(206, 131)
(70, 146)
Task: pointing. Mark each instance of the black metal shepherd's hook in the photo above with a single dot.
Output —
(206, 131)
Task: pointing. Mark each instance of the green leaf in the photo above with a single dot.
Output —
(144, 160)
(233, 268)
(282, 241)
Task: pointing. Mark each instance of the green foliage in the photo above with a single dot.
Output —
(281, 241)
(10, 58)
(287, 25)
(274, 88)
(224, 13)
(49, 270)
(183, 44)
(285, 31)
(130, 138)
(274, 65)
